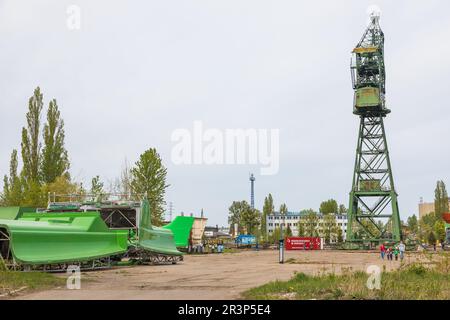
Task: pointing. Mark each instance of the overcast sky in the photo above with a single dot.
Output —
(138, 70)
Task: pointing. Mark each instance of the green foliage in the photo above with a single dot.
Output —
(275, 236)
(62, 186)
(432, 227)
(283, 210)
(148, 178)
(311, 223)
(31, 147)
(439, 230)
(413, 224)
(340, 236)
(342, 209)
(97, 186)
(329, 206)
(55, 161)
(235, 214)
(431, 238)
(251, 219)
(440, 199)
(39, 169)
(268, 209)
(34, 195)
(301, 229)
(288, 232)
(330, 227)
(12, 185)
(246, 217)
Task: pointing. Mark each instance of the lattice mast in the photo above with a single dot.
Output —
(373, 210)
(252, 191)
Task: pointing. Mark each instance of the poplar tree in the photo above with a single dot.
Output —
(440, 199)
(55, 161)
(12, 185)
(148, 178)
(268, 209)
(31, 148)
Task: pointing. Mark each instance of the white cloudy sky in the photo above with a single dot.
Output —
(137, 70)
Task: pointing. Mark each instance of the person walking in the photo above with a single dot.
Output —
(382, 251)
(388, 253)
(402, 249)
(396, 252)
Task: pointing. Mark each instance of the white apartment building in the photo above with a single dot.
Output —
(292, 219)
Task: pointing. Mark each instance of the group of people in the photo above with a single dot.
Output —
(206, 248)
(392, 252)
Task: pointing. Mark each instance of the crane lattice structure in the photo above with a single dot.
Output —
(373, 215)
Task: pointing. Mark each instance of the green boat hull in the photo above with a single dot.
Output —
(65, 237)
(37, 239)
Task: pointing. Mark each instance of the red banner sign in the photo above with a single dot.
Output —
(446, 217)
(303, 243)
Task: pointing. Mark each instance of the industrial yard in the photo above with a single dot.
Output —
(213, 276)
(208, 153)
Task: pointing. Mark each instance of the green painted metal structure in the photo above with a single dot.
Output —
(181, 228)
(33, 239)
(155, 239)
(67, 237)
(13, 213)
(373, 215)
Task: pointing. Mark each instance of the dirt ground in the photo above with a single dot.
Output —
(213, 276)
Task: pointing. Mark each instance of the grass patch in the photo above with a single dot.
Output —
(413, 282)
(11, 281)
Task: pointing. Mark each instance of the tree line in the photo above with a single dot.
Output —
(252, 221)
(45, 166)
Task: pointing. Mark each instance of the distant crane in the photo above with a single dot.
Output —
(252, 190)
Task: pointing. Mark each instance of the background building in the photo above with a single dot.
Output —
(426, 208)
(292, 219)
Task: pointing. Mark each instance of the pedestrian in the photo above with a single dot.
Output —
(389, 253)
(402, 249)
(382, 251)
(396, 251)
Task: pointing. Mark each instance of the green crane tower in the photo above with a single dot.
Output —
(373, 215)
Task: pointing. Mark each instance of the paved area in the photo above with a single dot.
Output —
(213, 276)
